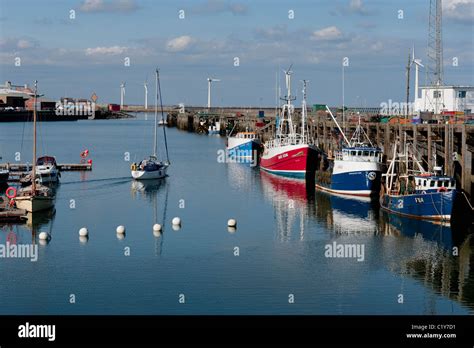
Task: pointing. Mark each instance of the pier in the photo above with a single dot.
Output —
(436, 142)
(65, 167)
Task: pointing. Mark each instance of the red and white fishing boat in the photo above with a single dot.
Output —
(290, 154)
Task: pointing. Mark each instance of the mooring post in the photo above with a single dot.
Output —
(428, 136)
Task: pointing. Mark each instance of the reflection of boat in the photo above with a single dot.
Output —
(348, 214)
(214, 129)
(292, 201)
(290, 154)
(355, 170)
(151, 167)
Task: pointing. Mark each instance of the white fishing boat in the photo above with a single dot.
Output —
(47, 170)
(35, 197)
(151, 167)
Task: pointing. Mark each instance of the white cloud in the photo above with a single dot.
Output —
(327, 34)
(462, 10)
(108, 6)
(111, 51)
(179, 43)
(24, 44)
(219, 6)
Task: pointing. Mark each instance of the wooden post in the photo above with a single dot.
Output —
(466, 162)
(415, 137)
(377, 128)
(386, 142)
(447, 155)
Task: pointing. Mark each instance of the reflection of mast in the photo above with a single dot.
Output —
(159, 246)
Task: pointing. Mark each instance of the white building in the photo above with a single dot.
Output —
(445, 98)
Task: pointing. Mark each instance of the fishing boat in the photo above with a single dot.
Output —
(413, 192)
(291, 153)
(151, 167)
(35, 197)
(47, 172)
(354, 170)
(243, 146)
(214, 129)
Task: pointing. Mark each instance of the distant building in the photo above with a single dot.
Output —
(438, 99)
(14, 96)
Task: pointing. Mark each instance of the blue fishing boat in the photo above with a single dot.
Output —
(243, 147)
(412, 192)
(355, 170)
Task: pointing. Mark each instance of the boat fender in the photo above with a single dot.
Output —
(442, 189)
(11, 192)
(133, 167)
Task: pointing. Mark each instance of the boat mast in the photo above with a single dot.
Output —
(162, 117)
(155, 143)
(338, 127)
(303, 111)
(33, 171)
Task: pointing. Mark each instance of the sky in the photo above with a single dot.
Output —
(77, 47)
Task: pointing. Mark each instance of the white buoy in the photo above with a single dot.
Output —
(83, 232)
(43, 236)
(120, 229)
(156, 227)
(231, 229)
(232, 223)
(176, 221)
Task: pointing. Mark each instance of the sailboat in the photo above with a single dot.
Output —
(34, 197)
(413, 192)
(151, 167)
(290, 154)
(355, 170)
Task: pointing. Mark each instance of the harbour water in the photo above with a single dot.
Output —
(276, 262)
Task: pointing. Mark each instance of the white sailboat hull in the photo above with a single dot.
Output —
(148, 175)
(35, 203)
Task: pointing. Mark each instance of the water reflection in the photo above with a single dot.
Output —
(293, 202)
(347, 215)
(149, 191)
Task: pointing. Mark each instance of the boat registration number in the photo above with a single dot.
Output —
(419, 200)
(283, 156)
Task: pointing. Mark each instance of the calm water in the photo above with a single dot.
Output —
(281, 236)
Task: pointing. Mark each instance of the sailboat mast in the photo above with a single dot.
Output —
(163, 118)
(303, 111)
(155, 143)
(33, 171)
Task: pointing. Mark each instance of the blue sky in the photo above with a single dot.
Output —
(75, 57)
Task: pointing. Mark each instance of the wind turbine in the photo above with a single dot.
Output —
(418, 64)
(209, 80)
(122, 94)
(146, 95)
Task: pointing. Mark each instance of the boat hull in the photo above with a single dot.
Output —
(436, 206)
(34, 204)
(4, 175)
(350, 178)
(245, 150)
(290, 160)
(149, 175)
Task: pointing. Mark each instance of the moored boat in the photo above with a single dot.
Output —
(412, 192)
(354, 170)
(290, 154)
(243, 147)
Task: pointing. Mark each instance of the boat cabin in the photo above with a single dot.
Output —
(46, 160)
(246, 135)
(360, 154)
(429, 183)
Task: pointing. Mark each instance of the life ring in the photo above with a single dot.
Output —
(442, 189)
(11, 195)
(85, 153)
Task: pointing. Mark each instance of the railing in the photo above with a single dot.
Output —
(287, 140)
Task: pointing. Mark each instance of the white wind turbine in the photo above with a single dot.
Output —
(146, 95)
(122, 94)
(418, 64)
(209, 81)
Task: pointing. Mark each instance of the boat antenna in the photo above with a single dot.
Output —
(338, 127)
(162, 115)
